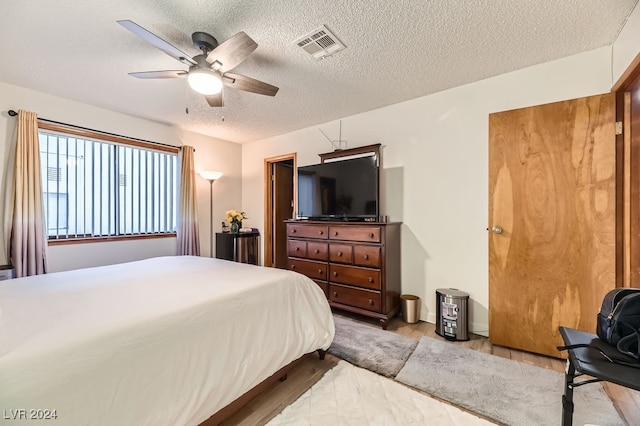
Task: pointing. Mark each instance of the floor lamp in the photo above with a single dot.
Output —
(211, 177)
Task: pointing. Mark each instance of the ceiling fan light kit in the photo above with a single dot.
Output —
(208, 71)
(204, 81)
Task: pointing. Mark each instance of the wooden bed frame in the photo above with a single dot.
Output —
(280, 375)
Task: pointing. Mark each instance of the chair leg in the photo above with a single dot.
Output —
(567, 397)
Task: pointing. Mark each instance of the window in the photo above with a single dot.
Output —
(100, 186)
(55, 207)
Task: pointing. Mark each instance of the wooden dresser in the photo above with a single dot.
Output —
(357, 264)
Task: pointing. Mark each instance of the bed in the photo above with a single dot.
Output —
(162, 341)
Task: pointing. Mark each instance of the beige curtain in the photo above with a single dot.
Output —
(188, 239)
(28, 238)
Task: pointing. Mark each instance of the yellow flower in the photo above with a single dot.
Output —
(232, 216)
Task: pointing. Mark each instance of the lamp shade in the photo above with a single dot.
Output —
(211, 175)
(206, 82)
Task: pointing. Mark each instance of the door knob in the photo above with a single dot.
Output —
(497, 229)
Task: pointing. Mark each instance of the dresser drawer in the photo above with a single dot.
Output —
(297, 248)
(317, 251)
(307, 231)
(352, 275)
(341, 253)
(367, 256)
(310, 268)
(365, 299)
(355, 233)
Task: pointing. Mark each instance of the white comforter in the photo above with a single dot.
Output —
(163, 341)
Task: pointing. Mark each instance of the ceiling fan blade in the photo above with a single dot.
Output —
(248, 84)
(214, 100)
(156, 41)
(232, 52)
(159, 74)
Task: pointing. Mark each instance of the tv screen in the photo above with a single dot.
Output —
(341, 190)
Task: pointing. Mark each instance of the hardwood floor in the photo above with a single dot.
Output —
(268, 404)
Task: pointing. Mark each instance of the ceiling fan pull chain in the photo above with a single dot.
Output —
(186, 108)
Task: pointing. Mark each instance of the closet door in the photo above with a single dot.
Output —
(551, 220)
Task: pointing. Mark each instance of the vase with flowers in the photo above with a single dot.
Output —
(234, 217)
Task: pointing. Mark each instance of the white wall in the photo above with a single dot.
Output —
(435, 169)
(211, 154)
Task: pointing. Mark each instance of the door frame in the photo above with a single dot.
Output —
(268, 201)
(628, 178)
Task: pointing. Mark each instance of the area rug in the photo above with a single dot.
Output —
(507, 391)
(377, 350)
(348, 395)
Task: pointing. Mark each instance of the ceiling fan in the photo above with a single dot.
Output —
(209, 71)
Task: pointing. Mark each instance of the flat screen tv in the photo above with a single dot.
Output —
(339, 190)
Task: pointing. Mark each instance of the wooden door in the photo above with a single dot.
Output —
(283, 209)
(551, 220)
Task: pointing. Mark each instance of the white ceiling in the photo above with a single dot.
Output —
(396, 50)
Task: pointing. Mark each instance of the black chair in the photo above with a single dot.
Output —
(591, 356)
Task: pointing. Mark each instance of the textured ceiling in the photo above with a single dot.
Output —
(396, 50)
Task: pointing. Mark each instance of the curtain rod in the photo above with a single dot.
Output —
(12, 113)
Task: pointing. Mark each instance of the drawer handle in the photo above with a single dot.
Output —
(297, 248)
(320, 232)
(293, 266)
(370, 234)
(335, 274)
(293, 231)
(335, 294)
(370, 279)
(371, 301)
(335, 234)
(319, 271)
(366, 257)
(339, 253)
(317, 251)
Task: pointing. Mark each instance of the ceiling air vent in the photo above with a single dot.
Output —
(320, 43)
